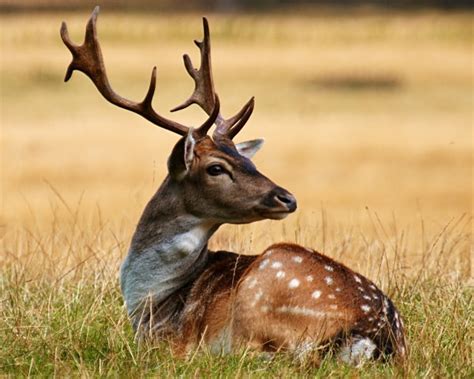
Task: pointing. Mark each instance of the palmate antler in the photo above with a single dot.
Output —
(88, 59)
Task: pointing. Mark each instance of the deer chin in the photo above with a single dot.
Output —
(275, 215)
(259, 215)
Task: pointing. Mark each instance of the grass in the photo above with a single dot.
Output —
(367, 120)
(62, 311)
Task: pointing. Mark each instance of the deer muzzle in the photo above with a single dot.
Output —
(278, 203)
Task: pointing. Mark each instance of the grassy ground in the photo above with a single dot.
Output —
(63, 322)
(367, 120)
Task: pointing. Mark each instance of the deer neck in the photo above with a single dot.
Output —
(168, 250)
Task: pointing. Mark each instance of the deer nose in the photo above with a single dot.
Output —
(283, 198)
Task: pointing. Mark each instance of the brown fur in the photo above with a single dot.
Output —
(223, 297)
(260, 323)
(211, 297)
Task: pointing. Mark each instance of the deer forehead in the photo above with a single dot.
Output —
(207, 146)
(208, 149)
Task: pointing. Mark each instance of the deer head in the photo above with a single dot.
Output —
(214, 177)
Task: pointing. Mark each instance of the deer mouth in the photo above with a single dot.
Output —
(276, 215)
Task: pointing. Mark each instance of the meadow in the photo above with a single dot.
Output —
(367, 119)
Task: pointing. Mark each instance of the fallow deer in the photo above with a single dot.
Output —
(287, 298)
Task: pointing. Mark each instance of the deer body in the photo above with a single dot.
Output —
(289, 297)
(175, 289)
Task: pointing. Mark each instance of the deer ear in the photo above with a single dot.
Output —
(189, 144)
(249, 148)
(181, 157)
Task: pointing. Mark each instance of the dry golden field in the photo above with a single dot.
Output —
(367, 120)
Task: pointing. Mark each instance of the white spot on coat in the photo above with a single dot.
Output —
(294, 283)
(264, 264)
(309, 278)
(252, 283)
(258, 296)
(331, 296)
(277, 264)
(297, 259)
(316, 294)
(280, 274)
(328, 268)
(265, 308)
(357, 279)
(329, 280)
(365, 308)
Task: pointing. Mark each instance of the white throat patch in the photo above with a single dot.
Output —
(161, 269)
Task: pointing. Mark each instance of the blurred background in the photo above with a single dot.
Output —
(365, 106)
(231, 5)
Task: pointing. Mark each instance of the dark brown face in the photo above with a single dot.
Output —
(223, 185)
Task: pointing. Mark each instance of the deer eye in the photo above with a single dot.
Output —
(215, 170)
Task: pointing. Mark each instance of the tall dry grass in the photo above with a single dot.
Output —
(367, 120)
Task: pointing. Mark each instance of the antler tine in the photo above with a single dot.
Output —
(204, 94)
(204, 128)
(235, 124)
(237, 127)
(88, 59)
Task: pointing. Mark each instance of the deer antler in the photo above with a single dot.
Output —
(88, 59)
(204, 93)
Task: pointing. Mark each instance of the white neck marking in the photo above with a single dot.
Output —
(164, 267)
